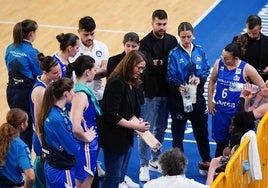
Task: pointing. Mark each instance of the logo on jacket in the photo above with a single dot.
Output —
(198, 58)
(98, 53)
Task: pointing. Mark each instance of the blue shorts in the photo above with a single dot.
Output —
(86, 163)
(58, 178)
(221, 122)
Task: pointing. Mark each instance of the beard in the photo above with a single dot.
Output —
(254, 38)
(159, 34)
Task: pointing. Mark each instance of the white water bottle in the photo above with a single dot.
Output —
(236, 86)
(187, 102)
(192, 87)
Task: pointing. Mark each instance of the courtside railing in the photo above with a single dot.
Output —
(235, 175)
(262, 140)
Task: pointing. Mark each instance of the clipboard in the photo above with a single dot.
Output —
(147, 136)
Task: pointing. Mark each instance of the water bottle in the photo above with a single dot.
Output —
(236, 86)
(187, 102)
(192, 87)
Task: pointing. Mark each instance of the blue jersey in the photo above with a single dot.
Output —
(61, 63)
(90, 118)
(58, 131)
(36, 142)
(17, 161)
(58, 134)
(87, 157)
(225, 99)
(22, 64)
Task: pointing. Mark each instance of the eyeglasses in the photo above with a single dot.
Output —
(141, 68)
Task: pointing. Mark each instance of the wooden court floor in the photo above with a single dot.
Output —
(113, 19)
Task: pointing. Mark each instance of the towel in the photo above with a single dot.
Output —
(253, 155)
(89, 92)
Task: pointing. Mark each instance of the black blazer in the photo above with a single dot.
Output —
(113, 62)
(118, 102)
(263, 59)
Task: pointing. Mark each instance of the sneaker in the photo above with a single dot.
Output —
(203, 172)
(101, 172)
(144, 173)
(122, 185)
(130, 183)
(154, 166)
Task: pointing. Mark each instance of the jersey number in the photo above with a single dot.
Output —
(224, 93)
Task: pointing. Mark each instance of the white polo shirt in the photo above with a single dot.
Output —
(99, 52)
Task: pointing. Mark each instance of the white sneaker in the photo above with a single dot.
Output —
(101, 172)
(144, 173)
(130, 183)
(154, 166)
(122, 185)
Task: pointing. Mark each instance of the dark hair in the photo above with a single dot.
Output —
(126, 66)
(46, 62)
(173, 162)
(252, 21)
(238, 47)
(131, 37)
(14, 118)
(22, 29)
(159, 13)
(185, 26)
(242, 122)
(79, 66)
(87, 23)
(65, 40)
(53, 93)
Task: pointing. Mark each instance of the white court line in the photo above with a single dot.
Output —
(206, 13)
(190, 141)
(71, 28)
(112, 31)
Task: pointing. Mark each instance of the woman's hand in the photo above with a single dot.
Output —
(196, 80)
(143, 126)
(211, 108)
(181, 89)
(90, 134)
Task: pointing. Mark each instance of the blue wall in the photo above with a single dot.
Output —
(225, 21)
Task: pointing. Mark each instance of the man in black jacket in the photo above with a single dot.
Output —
(156, 45)
(257, 47)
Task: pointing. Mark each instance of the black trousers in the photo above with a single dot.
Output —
(198, 118)
(20, 98)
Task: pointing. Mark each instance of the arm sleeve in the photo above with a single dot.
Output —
(241, 105)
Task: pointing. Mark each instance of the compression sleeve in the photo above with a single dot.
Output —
(241, 105)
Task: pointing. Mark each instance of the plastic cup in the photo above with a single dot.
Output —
(192, 91)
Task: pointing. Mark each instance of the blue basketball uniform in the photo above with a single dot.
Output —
(63, 66)
(87, 157)
(38, 162)
(36, 142)
(226, 101)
